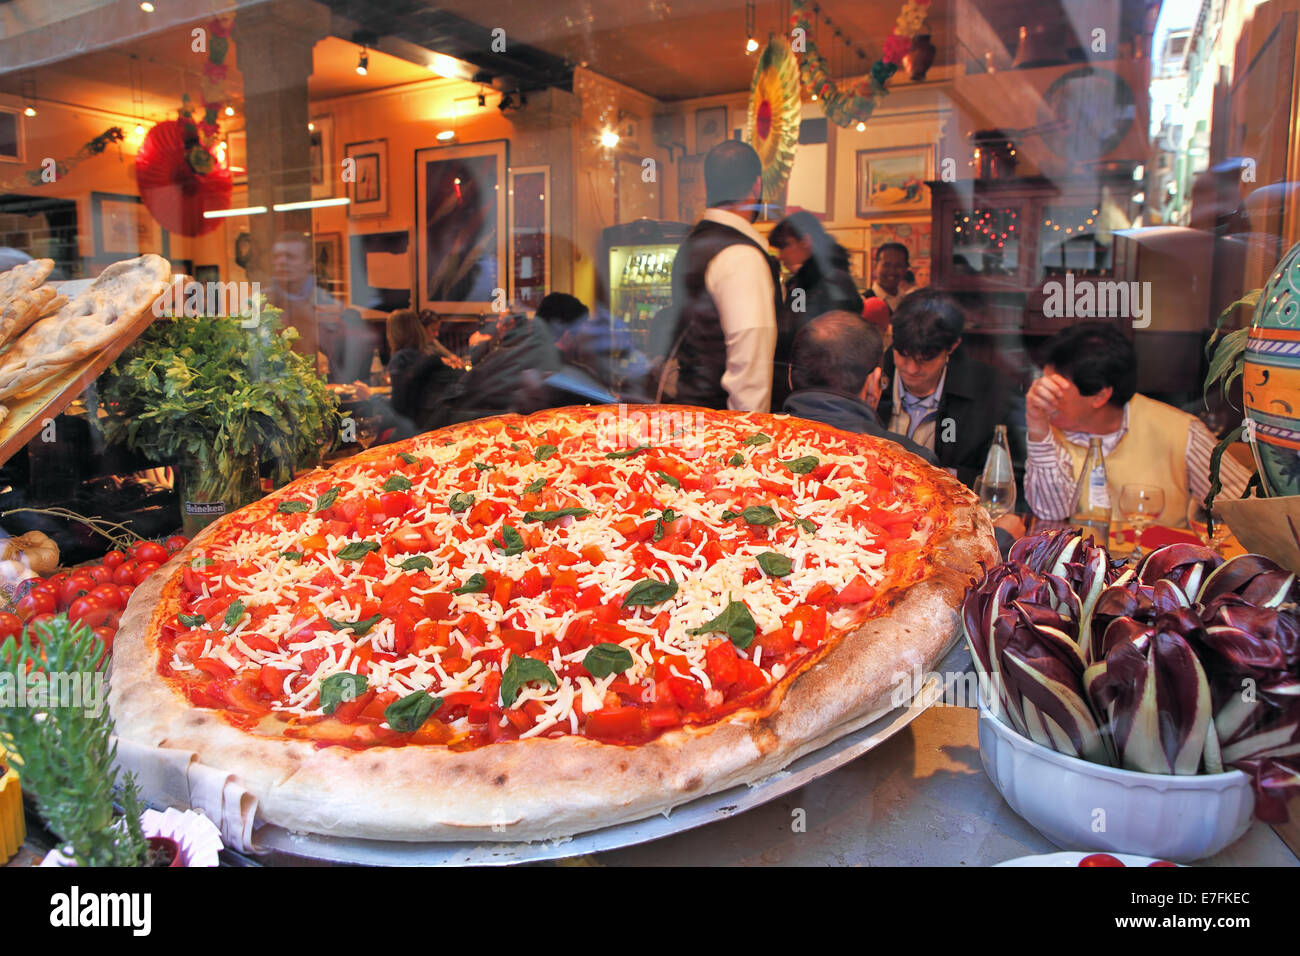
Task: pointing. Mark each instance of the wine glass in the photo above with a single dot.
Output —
(1209, 526)
(1141, 505)
(996, 497)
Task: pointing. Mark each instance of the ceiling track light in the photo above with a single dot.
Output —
(363, 62)
(751, 44)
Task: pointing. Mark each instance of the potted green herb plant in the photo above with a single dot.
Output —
(209, 395)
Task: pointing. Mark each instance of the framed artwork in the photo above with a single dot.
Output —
(380, 270)
(237, 156)
(207, 274)
(460, 215)
(530, 234)
(858, 268)
(891, 182)
(321, 157)
(368, 189)
(11, 136)
(710, 128)
(327, 250)
(123, 228)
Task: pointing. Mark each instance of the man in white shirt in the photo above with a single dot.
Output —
(890, 266)
(1089, 388)
(725, 286)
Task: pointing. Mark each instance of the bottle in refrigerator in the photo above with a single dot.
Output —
(1092, 497)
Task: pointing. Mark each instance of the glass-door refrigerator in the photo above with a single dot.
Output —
(638, 259)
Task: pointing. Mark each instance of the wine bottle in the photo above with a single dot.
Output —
(997, 488)
(1092, 497)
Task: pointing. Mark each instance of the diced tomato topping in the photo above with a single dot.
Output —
(210, 665)
(857, 591)
(621, 722)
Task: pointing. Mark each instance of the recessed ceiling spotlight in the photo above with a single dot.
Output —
(447, 134)
(29, 111)
(230, 111)
(147, 7)
(609, 139)
(751, 45)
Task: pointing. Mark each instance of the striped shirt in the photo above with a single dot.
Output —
(1050, 480)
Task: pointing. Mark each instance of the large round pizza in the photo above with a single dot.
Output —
(525, 627)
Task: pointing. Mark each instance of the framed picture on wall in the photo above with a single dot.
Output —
(328, 255)
(321, 157)
(891, 182)
(710, 128)
(123, 228)
(460, 214)
(530, 234)
(380, 268)
(368, 186)
(11, 136)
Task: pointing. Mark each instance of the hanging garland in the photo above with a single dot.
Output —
(856, 104)
(40, 176)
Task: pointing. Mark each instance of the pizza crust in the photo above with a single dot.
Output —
(549, 787)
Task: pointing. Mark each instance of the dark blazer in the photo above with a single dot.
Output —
(841, 410)
(977, 398)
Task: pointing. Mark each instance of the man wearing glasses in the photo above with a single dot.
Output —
(938, 396)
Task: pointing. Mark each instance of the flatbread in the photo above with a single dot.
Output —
(107, 308)
(23, 309)
(23, 278)
(550, 786)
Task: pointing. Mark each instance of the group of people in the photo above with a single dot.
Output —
(888, 362)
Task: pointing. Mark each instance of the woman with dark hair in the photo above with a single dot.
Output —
(820, 282)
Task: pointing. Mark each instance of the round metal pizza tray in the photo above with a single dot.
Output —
(288, 847)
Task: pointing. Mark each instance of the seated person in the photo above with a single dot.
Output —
(407, 346)
(939, 397)
(597, 347)
(1089, 388)
(835, 377)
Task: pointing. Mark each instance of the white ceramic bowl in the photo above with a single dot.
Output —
(1080, 805)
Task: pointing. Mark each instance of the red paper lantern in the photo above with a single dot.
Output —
(171, 189)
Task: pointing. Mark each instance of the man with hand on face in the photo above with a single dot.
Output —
(725, 288)
(1089, 388)
(938, 396)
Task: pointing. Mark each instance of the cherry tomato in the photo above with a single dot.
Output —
(176, 542)
(113, 560)
(101, 573)
(108, 595)
(77, 584)
(395, 503)
(89, 612)
(10, 624)
(25, 586)
(1100, 859)
(105, 634)
(1160, 863)
(150, 551)
(143, 570)
(126, 590)
(125, 573)
(40, 619)
(36, 601)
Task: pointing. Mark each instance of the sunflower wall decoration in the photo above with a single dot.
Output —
(774, 113)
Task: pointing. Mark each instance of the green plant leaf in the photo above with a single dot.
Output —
(668, 479)
(473, 585)
(760, 515)
(460, 501)
(520, 671)
(534, 486)
(341, 688)
(416, 562)
(192, 620)
(544, 452)
(605, 659)
(407, 457)
(356, 550)
(234, 614)
(774, 564)
(628, 453)
(359, 628)
(759, 439)
(408, 714)
(649, 593)
(556, 515)
(801, 466)
(396, 483)
(511, 541)
(325, 499)
(292, 507)
(735, 621)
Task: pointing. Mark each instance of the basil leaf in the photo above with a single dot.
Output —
(543, 452)
(234, 613)
(729, 515)
(668, 479)
(407, 457)
(650, 592)
(605, 659)
(801, 466)
(759, 439)
(473, 585)
(191, 620)
(556, 515)
(356, 550)
(460, 502)
(806, 525)
(520, 671)
(326, 499)
(416, 562)
(736, 460)
(534, 486)
(291, 555)
(359, 628)
(761, 515)
(629, 453)
(397, 483)
(735, 621)
(668, 516)
(339, 689)
(201, 562)
(515, 446)
(291, 507)
(775, 565)
(482, 466)
(511, 541)
(408, 715)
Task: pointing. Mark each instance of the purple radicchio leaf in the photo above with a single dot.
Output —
(1252, 577)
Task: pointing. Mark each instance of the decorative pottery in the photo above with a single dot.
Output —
(920, 58)
(1271, 379)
